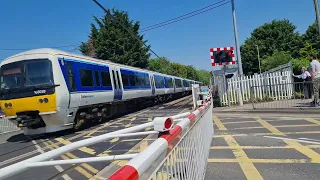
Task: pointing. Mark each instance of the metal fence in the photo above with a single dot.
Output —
(278, 96)
(229, 89)
(7, 126)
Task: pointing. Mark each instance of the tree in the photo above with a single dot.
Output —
(112, 42)
(278, 58)
(312, 36)
(162, 65)
(303, 61)
(278, 35)
(204, 76)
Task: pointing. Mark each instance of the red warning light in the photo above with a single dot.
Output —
(168, 123)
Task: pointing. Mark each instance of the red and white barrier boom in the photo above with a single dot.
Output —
(180, 151)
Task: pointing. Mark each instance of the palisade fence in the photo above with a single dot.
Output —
(257, 87)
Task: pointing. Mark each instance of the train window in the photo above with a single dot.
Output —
(138, 81)
(143, 80)
(147, 80)
(131, 78)
(105, 77)
(125, 79)
(86, 77)
(96, 75)
(72, 84)
(170, 83)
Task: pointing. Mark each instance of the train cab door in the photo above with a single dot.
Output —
(117, 84)
(74, 99)
(153, 85)
(174, 84)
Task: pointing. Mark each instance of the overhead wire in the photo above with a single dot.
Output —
(177, 19)
(148, 28)
(183, 15)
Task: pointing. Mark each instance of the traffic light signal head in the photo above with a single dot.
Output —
(222, 56)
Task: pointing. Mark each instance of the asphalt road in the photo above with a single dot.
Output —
(265, 146)
(14, 147)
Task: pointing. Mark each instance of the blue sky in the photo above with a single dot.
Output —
(37, 24)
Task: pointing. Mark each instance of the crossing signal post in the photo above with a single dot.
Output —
(222, 57)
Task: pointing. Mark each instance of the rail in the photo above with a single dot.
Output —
(163, 126)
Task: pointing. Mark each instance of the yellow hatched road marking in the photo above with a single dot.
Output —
(114, 140)
(85, 165)
(260, 161)
(312, 121)
(248, 168)
(218, 123)
(239, 122)
(261, 147)
(314, 156)
(83, 149)
(281, 126)
(266, 134)
(271, 128)
(115, 122)
(79, 169)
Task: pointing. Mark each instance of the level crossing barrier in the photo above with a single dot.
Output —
(181, 150)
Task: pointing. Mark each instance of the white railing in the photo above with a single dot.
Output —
(257, 85)
(180, 154)
(168, 135)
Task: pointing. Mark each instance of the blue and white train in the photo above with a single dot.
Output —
(48, 90)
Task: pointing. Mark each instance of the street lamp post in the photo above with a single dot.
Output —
(259, 58)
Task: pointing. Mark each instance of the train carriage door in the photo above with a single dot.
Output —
(119, 84)
(174, 84)
(153, 85)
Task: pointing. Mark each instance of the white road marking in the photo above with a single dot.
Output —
(161, 107)
(318, 140)
(58, 167)
(310, 142)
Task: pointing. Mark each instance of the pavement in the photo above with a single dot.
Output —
(15, 147)
(264, 146)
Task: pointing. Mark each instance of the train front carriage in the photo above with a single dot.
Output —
(33, 91)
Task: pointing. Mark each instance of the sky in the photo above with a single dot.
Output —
(54, 23)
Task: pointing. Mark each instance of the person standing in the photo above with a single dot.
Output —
(306, 77)
(315, 77)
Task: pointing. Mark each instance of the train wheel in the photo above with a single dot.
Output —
(79, 122)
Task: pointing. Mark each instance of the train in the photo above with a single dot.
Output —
(48, 90)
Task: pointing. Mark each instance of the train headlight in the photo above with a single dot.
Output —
(162, 124)
(40, 101)
(45, 100)
(7, 105)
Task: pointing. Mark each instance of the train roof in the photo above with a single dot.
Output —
(82, 57)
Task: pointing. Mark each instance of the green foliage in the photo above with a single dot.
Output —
(307, 50)
(312, 36)
(163, 65)
(114, 43)
(276, 59)
(278, 35)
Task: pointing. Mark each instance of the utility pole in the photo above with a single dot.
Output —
(237, 50)
(259, 58)
(236, 39)
(316, 8)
